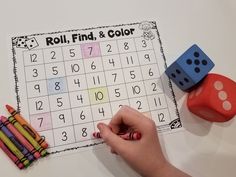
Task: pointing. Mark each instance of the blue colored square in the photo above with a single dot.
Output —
(57, 85)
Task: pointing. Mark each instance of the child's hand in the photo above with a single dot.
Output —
(144, 155)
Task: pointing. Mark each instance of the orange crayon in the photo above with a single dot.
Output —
(27, 126)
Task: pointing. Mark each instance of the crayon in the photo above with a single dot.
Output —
(14, 149)
(15, 141)
(11, 155)
(126, 136)
(34, 143)
(27, 126)
(20, 137)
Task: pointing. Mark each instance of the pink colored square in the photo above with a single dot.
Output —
(41, 122)
(90, 50)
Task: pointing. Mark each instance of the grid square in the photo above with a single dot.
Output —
(64, 135)
(72, 52)
(109, 47)
(52, 55)
(90, 50)
(61, 118)
(111, 62)
(37, 88)
(33, 57)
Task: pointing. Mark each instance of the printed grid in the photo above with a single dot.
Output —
(50, 114)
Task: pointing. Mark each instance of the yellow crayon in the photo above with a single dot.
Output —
(14, 149)
(34, 143)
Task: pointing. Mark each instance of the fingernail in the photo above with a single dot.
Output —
(100, 126)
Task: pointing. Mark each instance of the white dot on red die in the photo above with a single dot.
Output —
(222, 95)
(226, 105)
(198, 91)
(218, 85)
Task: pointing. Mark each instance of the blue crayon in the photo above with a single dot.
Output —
(14, 140)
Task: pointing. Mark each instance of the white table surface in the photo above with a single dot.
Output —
(203, 149)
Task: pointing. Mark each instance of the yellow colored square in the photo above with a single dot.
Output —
(98, 95)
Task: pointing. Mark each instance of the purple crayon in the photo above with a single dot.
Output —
(14, 140)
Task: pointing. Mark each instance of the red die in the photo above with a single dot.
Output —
(214, 99)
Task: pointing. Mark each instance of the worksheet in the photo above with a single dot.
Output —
(68, 81)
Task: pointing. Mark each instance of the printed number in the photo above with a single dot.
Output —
(111, 61)
(115, 76)
(154, 89)
(109, 48)
(117, 94)
(132, 75)
(150, 72)
(136, 89)
(139, 103)
(64, 136)
(75, 68)
(59, 102)
(96, 81)
(93, 66)
(72, 53)
(159, 101)
(98, 96)
(126, 47)
(144, 43)
(33, 57)
(77, 82)
(54, 70)
(161, 117)
(37, 87)
(62, 117)
(82, 116)
(53, 55)
(101, 111)
(39, 105)
(41, 121)
(84, 132)
(80, 98)
(57, 86)
(35, 72)
(147, 57)
(90, 50)
(129, 60)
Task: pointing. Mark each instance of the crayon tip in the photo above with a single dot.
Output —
(37, 155)
(21, 166)
(94, 134)
(9, 108)
(139, 136)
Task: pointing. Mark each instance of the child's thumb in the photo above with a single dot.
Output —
(111, 139)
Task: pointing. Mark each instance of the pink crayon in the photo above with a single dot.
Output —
(126, 136)
(11, 155)
(20, 137)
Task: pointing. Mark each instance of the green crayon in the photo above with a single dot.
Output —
(34, 143)
(14, 149)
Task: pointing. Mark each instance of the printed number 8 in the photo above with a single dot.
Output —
(126, 47)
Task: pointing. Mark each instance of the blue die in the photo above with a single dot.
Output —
(190, 68)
